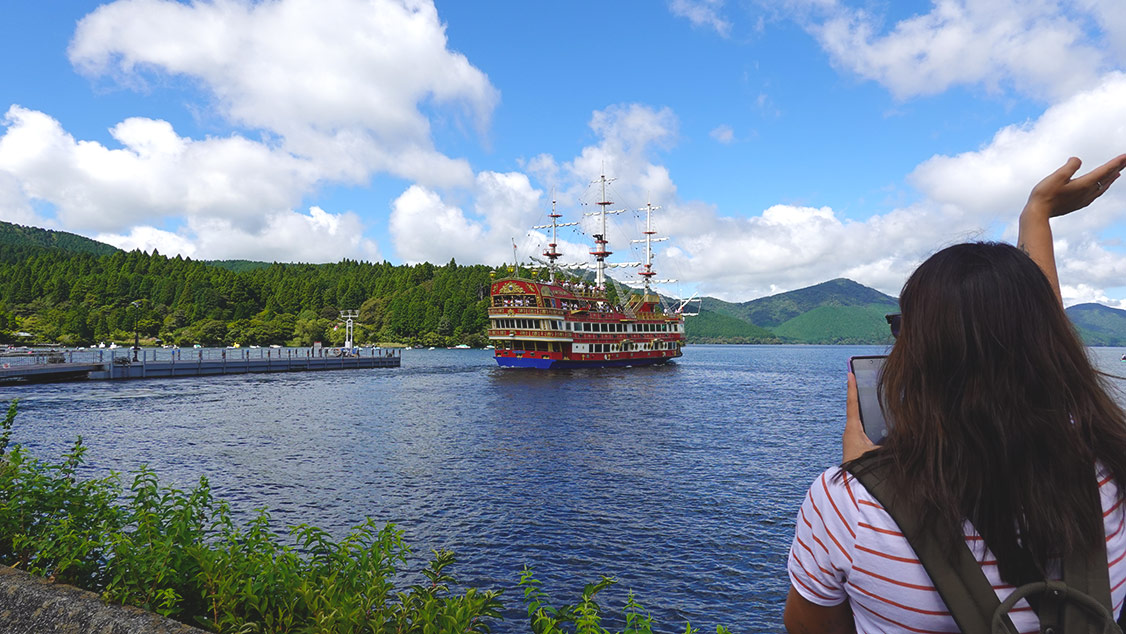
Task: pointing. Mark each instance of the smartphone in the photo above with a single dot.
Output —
(867, 372)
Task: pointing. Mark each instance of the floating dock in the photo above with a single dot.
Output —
(108, 365)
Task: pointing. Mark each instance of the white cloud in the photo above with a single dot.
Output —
(150, 239)
(284, 237)
(339, 81)
(155, 174)
(14, 205)
(1046, 48)
(318, 236)
(426, 229)
(702, 13)
(724, 134)
(505, 207)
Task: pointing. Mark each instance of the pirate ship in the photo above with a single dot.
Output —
(567, 323)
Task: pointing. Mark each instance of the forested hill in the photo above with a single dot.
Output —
(1099, 325)
(81, 298)
(18, 238)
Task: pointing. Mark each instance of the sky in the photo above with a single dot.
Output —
(785, 142)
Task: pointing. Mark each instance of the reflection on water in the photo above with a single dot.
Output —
(680, 480)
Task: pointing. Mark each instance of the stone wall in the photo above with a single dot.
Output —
(32, 605)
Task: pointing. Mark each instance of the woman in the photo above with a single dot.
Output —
(1000, 430)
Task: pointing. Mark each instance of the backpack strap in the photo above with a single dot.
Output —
(1084, 591)
(1091, 576)
(960, 582)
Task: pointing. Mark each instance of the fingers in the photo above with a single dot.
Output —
(855, 442)
(1108, 172)
(1067, 170)
(852, 403)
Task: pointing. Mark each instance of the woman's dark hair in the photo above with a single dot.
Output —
(999, 416)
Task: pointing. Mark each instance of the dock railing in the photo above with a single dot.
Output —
(124, 356)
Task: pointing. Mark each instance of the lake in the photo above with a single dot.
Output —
(681, 481)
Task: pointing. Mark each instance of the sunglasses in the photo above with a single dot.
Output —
(894, 320)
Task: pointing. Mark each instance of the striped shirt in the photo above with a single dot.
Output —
(846, 546)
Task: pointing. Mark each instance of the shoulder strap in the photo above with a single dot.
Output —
(968, 594)
(960, 582)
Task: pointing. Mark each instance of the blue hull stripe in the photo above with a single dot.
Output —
(554, 364)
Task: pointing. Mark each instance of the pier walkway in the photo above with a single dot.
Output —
(75, 365)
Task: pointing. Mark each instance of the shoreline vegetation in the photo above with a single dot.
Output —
(179, 553)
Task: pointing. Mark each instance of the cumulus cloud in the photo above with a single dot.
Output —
(704, 13)
(284, 236)
(234, 196)
(341, 82)
(155, 174)
(1045, 48)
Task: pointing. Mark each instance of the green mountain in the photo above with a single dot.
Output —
(838, 311)
(1099, 325)
(715, 327)
(19, 238)
(773, 311)
(839, 325)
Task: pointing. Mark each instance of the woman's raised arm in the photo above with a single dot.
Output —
(1057, 195)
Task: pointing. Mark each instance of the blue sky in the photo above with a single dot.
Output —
(787, 142)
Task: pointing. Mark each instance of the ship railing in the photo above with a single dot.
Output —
(516, 332)
(526, 310)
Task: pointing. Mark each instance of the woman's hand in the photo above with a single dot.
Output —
(1057, 195)
(855, 442)
(1060, 194)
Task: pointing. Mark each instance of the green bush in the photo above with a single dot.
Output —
(180, 554)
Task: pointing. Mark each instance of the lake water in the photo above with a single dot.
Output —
(681, 481)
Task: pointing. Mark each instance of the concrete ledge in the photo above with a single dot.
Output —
(32, 605)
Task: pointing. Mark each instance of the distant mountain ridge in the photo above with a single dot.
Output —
(13, 236)
(839, 311)
(1099, 325)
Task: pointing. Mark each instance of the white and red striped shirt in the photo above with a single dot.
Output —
(846, 546)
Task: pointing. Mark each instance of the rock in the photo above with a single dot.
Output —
(33, 605)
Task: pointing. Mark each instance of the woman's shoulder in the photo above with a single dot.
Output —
(841, 490)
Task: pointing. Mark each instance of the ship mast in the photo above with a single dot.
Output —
(552, 253)
(600, 242)
(647, 273)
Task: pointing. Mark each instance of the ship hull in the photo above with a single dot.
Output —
(559, 364)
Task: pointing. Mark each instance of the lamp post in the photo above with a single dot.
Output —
(136, 334)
